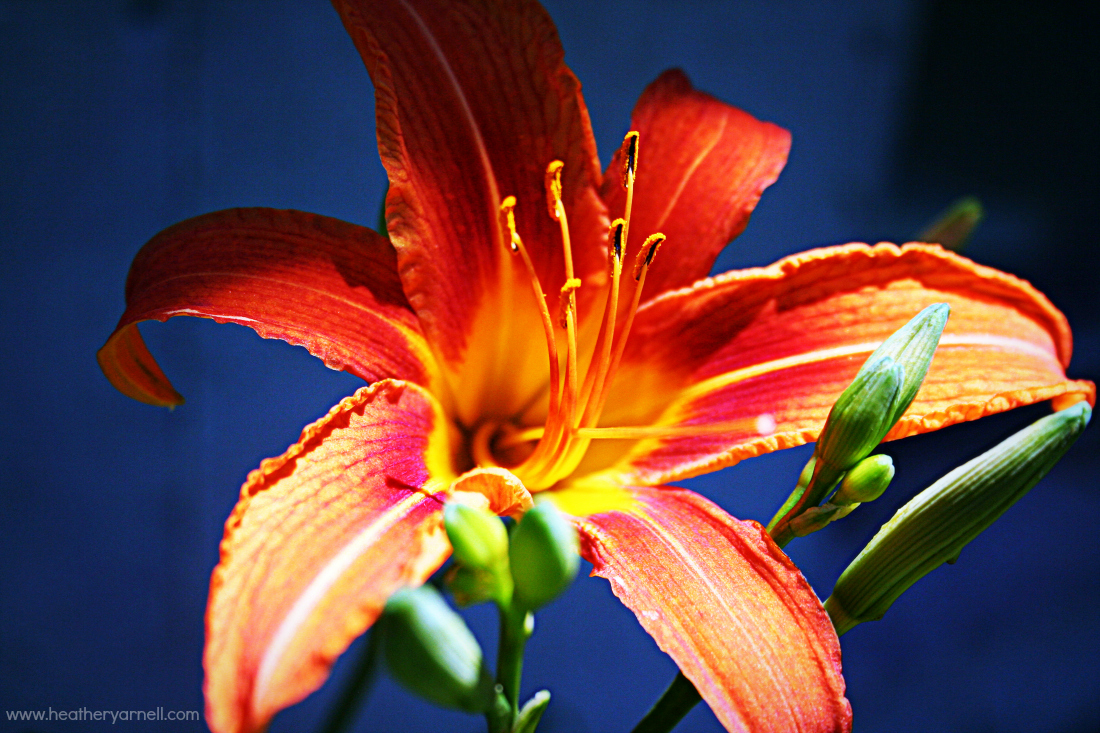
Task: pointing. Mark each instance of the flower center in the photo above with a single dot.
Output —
(543, 455)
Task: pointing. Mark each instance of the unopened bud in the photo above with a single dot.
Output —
(866, 481)
(861, 416)
(430, 650)
(544, 556)
(936, 524)
(912, 346)
(477, 536)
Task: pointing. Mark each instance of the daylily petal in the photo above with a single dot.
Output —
(312, 281)
(473, 102)
(722, 600)
(320, 538)
(761, 355)
(702, 166)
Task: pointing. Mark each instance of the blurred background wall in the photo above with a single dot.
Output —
(121, 117)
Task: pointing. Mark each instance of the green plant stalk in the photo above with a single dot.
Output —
(676, 701)
(514, 632)
(357, 687)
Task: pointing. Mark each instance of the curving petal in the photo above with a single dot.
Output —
(321, 537)
(702, 166)
(723, 601)
(312, 281)
(752, 361)
(473, 101)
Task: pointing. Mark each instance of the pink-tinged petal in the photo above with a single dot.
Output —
(473, 101)
(752, 361)
(723, 601)
(321, 537)
(312, 281)
(702, 166)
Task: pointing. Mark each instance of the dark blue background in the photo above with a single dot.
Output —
(120, 118)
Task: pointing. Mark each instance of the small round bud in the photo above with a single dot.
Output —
(866, 481)
(430, 651)
(477, 536)
(544, 556)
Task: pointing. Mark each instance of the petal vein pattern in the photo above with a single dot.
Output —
(473, 101)
(320, 538)
(312, 281)
(775, 347)
(727, 605)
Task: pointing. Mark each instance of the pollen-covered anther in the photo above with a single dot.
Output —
(508, 213)
(566, 302)
(615, 241)
(630, 157)
(553, 188)
(647, 253)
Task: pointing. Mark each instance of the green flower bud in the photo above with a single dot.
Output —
(866, 481)
(430, 651)
(477, 536)
(544, 555)
(912, 346)
(934, 527)
(861, 416)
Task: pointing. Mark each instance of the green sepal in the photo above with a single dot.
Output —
(544, 555)
(531, 712)
(430, 650)
(936, 524)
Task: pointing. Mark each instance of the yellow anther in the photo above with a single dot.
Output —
(630, 157)
(553, 188)
(615, 240)
(566, 302)
(647, 253)
(507, 210)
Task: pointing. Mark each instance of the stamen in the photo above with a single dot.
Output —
(553, 187)
(515, 244)
(507, 209)
(649, 250)
(630, 157)
(629, 152)
(601, 354)
(566, 300)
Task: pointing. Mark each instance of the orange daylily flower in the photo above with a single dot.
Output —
(633, 370)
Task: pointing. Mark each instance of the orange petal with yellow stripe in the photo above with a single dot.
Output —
(722, 600)
(702, 165)
(312, 281)
(751, 361)
(321, 537)
(474, 101)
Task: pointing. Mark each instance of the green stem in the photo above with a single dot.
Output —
(680, 697)
(513, 638)
(357, 688)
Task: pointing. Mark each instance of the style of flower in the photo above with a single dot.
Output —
(522, 333)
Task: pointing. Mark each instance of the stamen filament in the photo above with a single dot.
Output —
(507, 208)
(641, 267)
(762, 425)
(601, 354)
